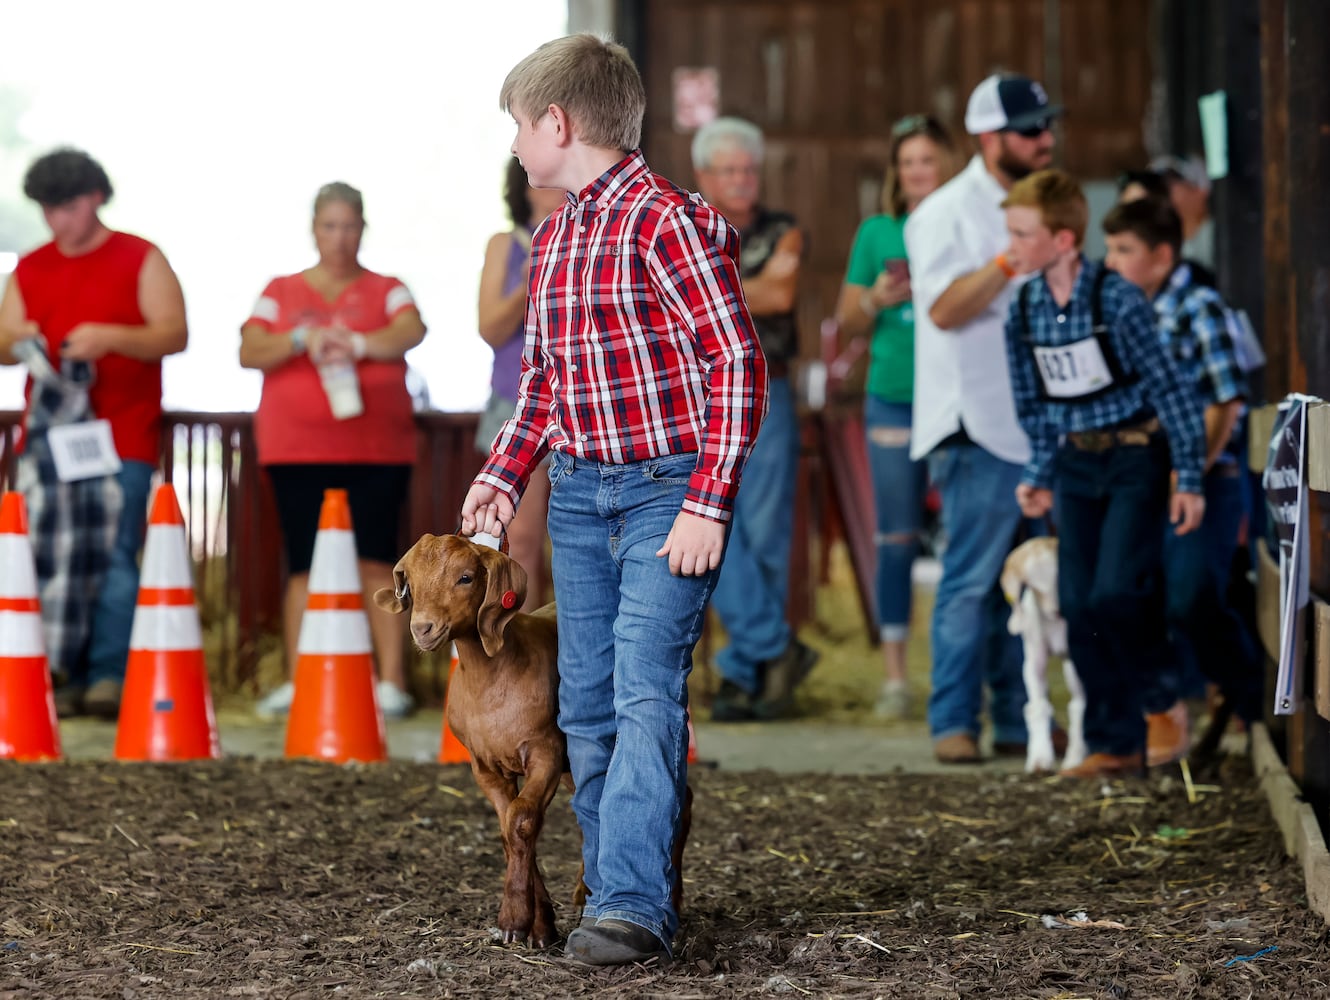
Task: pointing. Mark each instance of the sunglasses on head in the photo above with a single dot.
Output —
(910, 125)
(1032, 131)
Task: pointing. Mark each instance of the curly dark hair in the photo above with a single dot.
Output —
(517, 193)
(63, 175)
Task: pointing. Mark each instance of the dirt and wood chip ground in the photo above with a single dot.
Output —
(285, 879)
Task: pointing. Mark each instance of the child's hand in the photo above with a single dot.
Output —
(1034, 501)
(694, 545)
(1186, 510)
(486, 509)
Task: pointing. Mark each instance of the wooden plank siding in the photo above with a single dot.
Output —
(825, 80)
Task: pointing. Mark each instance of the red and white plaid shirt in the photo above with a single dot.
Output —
(638, 340)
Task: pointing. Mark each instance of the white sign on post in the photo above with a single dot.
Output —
(1285, 483)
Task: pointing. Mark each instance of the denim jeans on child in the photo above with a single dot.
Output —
(899, 485)
(113, 617)
(627, 628)
(1110, 508)
(750, 595)
(971, 644)
(1208, 637)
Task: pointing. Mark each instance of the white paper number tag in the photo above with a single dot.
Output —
(1073, 370)
(83, 450)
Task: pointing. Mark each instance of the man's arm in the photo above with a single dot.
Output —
(969, 295)
(162, 332)
(773, 290)
(14, 325)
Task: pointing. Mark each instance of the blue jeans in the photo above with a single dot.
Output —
(754, 579)
(113, 617)
(1208, 636)
(627, 629)
(971, 644)
(1110, 508)
(899, 485)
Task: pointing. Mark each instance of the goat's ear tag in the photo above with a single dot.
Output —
(404, 591)
(508, 600)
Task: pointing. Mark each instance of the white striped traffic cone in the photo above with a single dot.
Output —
(334, 714)
(28, 728)
(166, 708)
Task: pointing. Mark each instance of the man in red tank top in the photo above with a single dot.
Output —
(108, 300)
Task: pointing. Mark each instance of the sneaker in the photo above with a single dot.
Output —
(732, 704)
(69, 700)
(394, 703)
(785, 673)
(103, 699)
(614, 942)
(958, 748)
(277, 702)
(893, 701)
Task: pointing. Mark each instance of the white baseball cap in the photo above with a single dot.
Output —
(1005, 102)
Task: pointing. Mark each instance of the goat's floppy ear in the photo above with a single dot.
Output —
(398, 599)
(504, 593)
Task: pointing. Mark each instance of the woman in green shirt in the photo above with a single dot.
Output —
(875, 300)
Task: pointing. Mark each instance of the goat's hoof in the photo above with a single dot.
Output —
(514, 937)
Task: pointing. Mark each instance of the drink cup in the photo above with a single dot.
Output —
(342, 385)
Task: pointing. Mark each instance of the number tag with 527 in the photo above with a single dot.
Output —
(1073, 370)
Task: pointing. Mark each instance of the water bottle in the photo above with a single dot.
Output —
(342, 385)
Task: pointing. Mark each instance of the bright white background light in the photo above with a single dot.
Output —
(218, 123)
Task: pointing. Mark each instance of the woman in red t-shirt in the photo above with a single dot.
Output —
(337, 314)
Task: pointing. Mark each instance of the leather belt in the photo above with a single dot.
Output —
(1101, 440)
(1135, 435)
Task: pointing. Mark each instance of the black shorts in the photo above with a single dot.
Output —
(377, 494)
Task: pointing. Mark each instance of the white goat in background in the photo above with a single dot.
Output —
(1030, 581)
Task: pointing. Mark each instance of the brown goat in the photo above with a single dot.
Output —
(502, 699)
(503, 704)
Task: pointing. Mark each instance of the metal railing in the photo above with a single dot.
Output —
(234, 536)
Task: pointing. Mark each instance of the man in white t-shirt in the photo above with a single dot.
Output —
(964, 417)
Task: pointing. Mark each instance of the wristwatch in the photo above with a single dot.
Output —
(298, 336)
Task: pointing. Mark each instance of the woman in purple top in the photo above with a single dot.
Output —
(502, 311)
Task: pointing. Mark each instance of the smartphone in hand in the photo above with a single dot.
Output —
(898, 268)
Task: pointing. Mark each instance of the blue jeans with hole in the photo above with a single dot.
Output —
(113, 618)
(627, 629)
(751, 593)
(971, 644)
(1111, 507)
(899, 485)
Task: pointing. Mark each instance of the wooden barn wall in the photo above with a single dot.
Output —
(825, 79)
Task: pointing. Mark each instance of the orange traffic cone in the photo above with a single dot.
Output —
(27, 704)
(166, 708)
(451, 750)
(335, 715)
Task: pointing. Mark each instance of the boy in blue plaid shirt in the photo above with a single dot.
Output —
(1087, 367)
(1144, 246)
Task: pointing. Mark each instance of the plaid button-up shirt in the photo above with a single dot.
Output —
(1194, 326)
(1151, 383)
(638, 340)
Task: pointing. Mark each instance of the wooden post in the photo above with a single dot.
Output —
(1279, 314)
(1306, 25)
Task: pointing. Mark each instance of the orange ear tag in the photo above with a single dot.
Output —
(508, 600)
